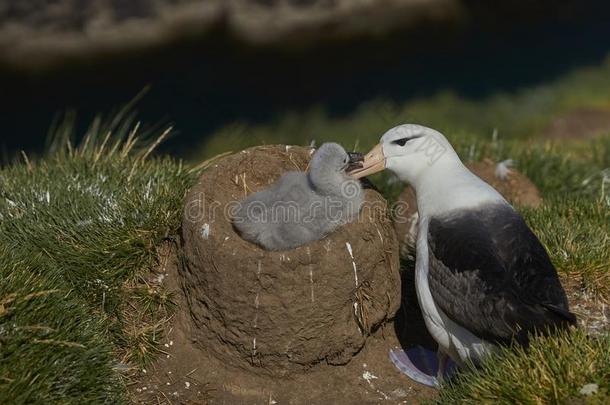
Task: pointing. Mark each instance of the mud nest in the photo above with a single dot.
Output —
(283, 312)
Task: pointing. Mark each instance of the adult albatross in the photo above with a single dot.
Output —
(482, 277)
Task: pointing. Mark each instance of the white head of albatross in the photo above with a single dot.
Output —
(423, 157)
(482, 277)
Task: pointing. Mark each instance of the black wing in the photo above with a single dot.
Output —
(489, 273)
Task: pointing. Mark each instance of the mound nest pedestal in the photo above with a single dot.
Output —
(283, 312)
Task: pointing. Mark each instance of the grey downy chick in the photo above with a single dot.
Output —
(301, 207)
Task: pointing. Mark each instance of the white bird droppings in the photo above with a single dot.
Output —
(399, 393)
(503, 169)
(368, 376)
(351, 254)
(205, 231)
(349, 249)
(310, 273)
(255, 323)
(589, 389)
(379, 233)
(187, 385)
(311, 283)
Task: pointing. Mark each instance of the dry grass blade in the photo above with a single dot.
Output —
(58, 343)
(208, 162)
(156, 143)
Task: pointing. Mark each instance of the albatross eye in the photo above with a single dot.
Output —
(400, 142)
(403, 141)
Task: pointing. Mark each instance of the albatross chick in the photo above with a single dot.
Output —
(302, 207)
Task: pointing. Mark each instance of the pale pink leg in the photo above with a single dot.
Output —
(442, 364)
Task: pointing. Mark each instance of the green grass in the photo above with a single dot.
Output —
(552, 371)
(77, 228)
(52, 348)
(576, 234)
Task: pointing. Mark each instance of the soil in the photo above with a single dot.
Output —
(185, 374)
(592, 312)
(516, 188)
(580, 123)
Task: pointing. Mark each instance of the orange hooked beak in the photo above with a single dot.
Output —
(374, 162)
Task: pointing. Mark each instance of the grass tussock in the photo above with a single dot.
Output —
(576, 234)
(78, 230)
(556, 369)
(52, 348)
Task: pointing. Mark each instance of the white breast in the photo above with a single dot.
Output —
(452, 338)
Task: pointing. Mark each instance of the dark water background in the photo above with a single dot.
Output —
(203, 85)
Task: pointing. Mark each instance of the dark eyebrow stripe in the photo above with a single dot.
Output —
(406, 139)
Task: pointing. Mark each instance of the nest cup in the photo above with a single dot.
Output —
(283, 312)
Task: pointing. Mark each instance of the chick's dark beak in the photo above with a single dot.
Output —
(373, 162)
(356, 160)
